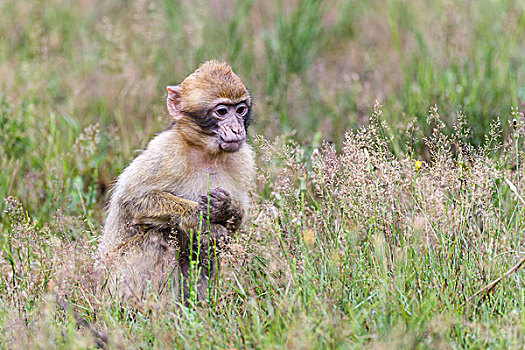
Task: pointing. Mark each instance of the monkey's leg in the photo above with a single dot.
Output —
(199, 266)
(197, 261)
(147, 266)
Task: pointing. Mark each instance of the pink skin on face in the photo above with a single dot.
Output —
(232, 133)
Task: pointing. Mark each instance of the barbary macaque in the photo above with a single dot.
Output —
(184, 194)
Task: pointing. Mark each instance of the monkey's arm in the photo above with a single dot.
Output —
(162, 209)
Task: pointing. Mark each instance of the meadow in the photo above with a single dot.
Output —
(390, 190)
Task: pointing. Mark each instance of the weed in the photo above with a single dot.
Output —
(374, 224)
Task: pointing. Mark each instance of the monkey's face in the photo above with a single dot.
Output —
(212, 108)
(230, 125)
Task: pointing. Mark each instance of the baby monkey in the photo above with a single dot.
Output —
(184, 194)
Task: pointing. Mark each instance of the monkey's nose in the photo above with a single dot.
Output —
(233, 136)
(232, 139)
(237, 130)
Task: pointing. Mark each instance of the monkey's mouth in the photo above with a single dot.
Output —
(231, 146)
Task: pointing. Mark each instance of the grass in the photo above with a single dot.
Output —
(373, 224)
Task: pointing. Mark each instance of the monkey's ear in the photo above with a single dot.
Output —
(173, 101)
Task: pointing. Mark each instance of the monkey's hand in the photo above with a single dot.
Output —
(221, 208)
(215, 205)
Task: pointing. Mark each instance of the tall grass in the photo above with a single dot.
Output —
(373, 224)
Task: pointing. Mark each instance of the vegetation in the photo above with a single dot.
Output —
(374, 224)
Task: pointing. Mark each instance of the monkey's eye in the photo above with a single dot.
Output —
(221, 111)
(241, 110)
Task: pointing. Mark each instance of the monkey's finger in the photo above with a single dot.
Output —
(218, 199)
(210, 204)
(211, 199)
(220, 194)
(205, 200)
(219, 191)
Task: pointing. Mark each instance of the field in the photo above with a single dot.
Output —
(390, 190)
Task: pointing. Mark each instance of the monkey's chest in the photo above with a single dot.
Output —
(200, 182)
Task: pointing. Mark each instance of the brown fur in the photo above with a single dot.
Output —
(156, 205)
(213, 81)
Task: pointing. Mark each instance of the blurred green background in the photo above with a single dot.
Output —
(380, 244)
(82, 82)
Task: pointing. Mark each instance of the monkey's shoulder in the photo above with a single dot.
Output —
(147, 170)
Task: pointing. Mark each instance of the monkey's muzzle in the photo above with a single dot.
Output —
(231, 146)
(232, 135)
